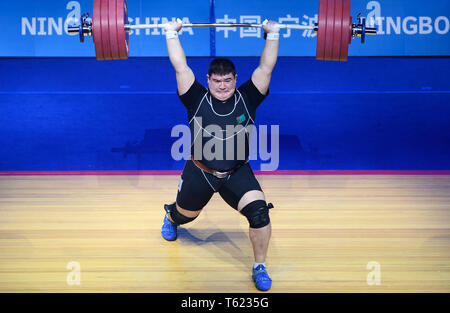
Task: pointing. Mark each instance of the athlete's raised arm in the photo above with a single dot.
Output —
(185, 76)
(261, 76)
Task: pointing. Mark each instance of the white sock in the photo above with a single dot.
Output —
(255, 265)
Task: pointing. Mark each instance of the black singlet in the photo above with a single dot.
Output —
(220, 130)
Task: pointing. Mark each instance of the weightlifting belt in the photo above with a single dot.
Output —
(214, 172)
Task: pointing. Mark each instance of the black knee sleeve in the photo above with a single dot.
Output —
(257, 213)
(176, 216)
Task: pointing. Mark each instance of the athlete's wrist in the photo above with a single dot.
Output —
(170, 34)
(171, 29)
(272, 36)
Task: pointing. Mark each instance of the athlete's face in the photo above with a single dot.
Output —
(222, 87)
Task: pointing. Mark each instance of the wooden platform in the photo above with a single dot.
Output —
(326, 230)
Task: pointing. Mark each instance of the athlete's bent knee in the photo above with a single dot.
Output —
(257, 213)
(176, 216)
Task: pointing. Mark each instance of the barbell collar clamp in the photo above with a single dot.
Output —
(86, 30)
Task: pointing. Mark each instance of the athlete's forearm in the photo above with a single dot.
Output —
(270, 53)
(176, 54)
(269, 56)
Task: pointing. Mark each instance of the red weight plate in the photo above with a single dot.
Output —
(337, 35)
(321, 32)
(96, 30)
(112, 22)
(123, 37)
(346, 30)
(104, 21)
(331, 18)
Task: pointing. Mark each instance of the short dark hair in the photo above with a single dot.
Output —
(221, 67)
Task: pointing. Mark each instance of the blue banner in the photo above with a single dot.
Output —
(405, 28)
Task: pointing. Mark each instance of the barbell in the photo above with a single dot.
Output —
(110, 29)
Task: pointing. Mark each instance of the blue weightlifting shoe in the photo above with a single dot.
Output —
(262, 280)
(169, 229)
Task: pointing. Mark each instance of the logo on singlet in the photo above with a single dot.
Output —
(241, 119)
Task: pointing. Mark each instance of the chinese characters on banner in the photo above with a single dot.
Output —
(257, 19)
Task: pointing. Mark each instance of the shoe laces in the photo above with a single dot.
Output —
(261, 273)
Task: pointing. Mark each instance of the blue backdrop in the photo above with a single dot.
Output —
(390, 111)
(82, 114)
(406, 27)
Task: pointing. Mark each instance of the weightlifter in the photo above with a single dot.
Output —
(226, 106)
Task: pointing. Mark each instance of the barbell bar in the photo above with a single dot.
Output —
(110, 29)
(246, 25)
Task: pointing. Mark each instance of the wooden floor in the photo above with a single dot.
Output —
(328, 232)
